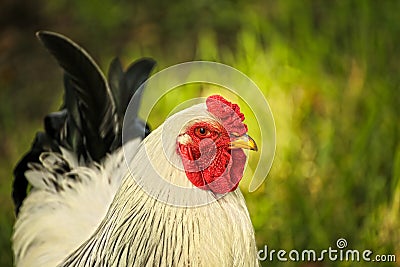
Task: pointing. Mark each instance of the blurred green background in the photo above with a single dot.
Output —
(329, 69)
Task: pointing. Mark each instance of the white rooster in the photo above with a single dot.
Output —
(173, 202)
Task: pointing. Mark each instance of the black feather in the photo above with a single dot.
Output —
(54, 125)
(74, 139)
(136, 74)
(116, 80)
(123, 86)
(42, 143)
(95, 104)
(90, 120)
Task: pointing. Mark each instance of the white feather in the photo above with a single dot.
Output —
(53, 223)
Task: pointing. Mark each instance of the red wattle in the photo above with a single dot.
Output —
(221, 176)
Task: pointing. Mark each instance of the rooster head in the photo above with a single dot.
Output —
(211, 147)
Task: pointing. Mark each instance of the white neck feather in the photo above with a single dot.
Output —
(158, 218)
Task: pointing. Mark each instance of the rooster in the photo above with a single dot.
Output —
(168, 197)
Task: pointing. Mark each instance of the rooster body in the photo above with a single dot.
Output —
(118, 211)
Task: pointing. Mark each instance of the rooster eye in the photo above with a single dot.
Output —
(201, 132)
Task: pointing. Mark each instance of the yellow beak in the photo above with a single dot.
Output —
(244, 141)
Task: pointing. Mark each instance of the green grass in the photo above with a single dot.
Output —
(330, 71)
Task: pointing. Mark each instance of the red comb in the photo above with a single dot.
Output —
(228, 113)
